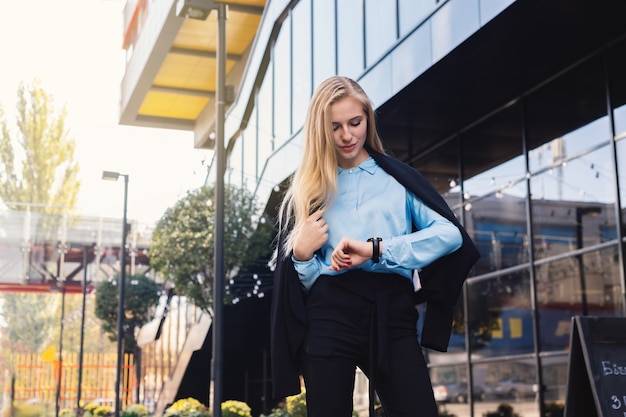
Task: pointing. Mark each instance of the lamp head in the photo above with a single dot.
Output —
(110, 175)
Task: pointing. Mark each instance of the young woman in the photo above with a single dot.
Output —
(357, 227)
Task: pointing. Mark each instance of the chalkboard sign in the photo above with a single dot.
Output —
(596, 380)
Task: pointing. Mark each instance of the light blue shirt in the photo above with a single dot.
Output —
(371, 203)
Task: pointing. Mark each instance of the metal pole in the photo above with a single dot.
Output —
(218, 277)
(82, 329)
(57, 407)
(120, 306)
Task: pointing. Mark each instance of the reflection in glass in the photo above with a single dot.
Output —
(500, 316)
(573, 204)
(513, 383)
(495, 191)
(450, 388)
(554, 378)
(584, 284)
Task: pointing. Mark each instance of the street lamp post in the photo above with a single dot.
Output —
(113, 176)
(200, 10)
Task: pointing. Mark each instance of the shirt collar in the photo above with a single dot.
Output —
(369, 165)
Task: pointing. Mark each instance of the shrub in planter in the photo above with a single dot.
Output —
(135, 410)
(234, 408)
(187, 407)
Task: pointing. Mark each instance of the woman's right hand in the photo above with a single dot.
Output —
(312, 236)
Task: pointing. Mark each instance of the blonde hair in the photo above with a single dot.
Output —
(314, 184)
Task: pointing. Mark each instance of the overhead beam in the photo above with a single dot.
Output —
(202, 53)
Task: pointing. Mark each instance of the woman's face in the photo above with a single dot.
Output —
(349, 132)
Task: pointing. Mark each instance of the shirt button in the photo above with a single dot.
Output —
(350, 172)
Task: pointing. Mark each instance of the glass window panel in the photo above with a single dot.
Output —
(234, 174)
(350, 53)
(573, 204)
(413, 12)
(411, 58)
(495, 191)
(380, 28)
(500, 316)
(454, 22)
(560, 150)
(620, 121)
(620, 129)
(621, 169)
(491, 8)
(251, 157)
(584, 284)
(301, 61)
(451, 390)
(264, 105)
(560, 108)
(324, 40)
(554, 376)
(512, 382)
(250, 173)
(281, 58)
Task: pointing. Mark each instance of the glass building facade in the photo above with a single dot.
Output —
(516, 112)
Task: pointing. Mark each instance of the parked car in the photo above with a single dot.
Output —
(456, 392)
(513, 387)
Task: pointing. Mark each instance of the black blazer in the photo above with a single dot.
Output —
(442, 282)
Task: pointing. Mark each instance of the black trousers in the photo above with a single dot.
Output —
(367, 320)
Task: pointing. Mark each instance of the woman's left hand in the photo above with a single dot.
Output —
(350, 252)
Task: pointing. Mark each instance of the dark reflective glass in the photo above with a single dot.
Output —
(554, 378)
(494, 195)
(510, 388)
(583, 284)
(500, 316)
(573, 204)
(451, 390)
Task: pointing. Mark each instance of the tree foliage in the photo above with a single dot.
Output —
(37, 169)
(141, 295)
(182, 243)
(29, 318)
(37, 161)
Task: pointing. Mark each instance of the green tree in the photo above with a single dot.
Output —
(182, 242)
(37, 161)
(141, 296)
(29, 319)
(38, 171)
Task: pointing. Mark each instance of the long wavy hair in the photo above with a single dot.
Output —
(314, 184)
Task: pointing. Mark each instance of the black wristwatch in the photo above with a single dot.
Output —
(375, 248)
